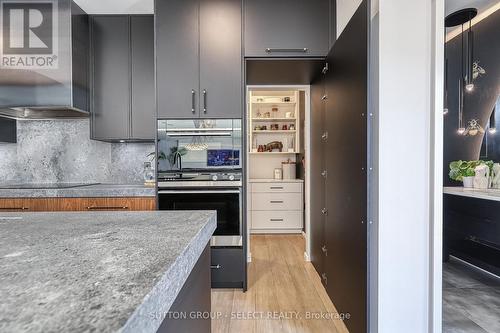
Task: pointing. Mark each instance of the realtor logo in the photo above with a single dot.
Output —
(29, 34)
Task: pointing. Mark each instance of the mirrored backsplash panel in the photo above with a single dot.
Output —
(199, 144)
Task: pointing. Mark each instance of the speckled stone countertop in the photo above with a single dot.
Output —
(487, 194)
(90, 191)
(102, 272)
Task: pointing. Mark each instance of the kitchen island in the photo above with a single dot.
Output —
(472, 226)
(101, 271)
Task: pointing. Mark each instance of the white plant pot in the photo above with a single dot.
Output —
(468, 182)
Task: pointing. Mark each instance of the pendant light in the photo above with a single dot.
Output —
(461, 17)
(445, 79)
(492, 129)
(461, 128)
(469, 59)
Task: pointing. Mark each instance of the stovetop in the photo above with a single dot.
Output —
(28, 186)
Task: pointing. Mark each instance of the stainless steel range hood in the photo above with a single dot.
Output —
(61, 91)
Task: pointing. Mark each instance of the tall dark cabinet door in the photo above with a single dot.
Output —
(318, 180)
(143, 84)
(111, 77)
(346, 161)
(177, 65)
(287, 28)
(220, 59)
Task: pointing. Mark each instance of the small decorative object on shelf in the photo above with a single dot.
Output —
(495, 175)
(285, 128)
(278, 174)
(257, 128)
(267, 115)
(289, 169)
(288, 114)
(292, 127)
(275, 127)
(482, 177)
(263, 128)
(260, 149)
(149, 174)
(274, 145)
(274, 108)
(286, 99)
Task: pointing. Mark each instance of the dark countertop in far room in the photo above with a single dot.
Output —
(88, 191)
(100, 271)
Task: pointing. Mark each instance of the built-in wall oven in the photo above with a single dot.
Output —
(200, 169)
(225, 200)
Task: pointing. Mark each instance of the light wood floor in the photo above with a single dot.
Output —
(279, 280)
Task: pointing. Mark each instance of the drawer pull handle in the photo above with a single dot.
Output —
(276, 201)
(302, 50)
(276, 220)
(14, 208)
(215, 266)
(106, 207)
(276, 187)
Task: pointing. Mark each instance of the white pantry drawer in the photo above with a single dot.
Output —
(277, 201)
(277, 220)
(278, 187)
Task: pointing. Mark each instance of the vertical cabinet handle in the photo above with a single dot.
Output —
(204, 101)
(193, 101)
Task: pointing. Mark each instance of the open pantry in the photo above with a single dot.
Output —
(275, 126)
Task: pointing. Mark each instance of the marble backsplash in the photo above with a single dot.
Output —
(61, 151)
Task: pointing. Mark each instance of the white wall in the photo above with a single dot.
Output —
(405, 165)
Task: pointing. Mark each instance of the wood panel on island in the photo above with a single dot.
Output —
(77, 204)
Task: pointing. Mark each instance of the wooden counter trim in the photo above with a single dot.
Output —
(77, 204)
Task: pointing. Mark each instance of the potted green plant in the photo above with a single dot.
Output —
(464, 171)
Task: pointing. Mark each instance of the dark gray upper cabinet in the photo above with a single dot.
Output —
(111, 77)
(220, 59)
(177, 58)
(198, 59)
(287, 28)
(123, 105)
(143, 116)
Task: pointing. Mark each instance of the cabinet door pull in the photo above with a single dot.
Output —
(215, 266)
(106, 207)
(193, 101)
(204, 101)
(276, 201)
(276, 220)
(276, 187)
(273, 49)
(14, 208)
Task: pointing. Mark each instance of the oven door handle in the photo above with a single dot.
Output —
(198, 191)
